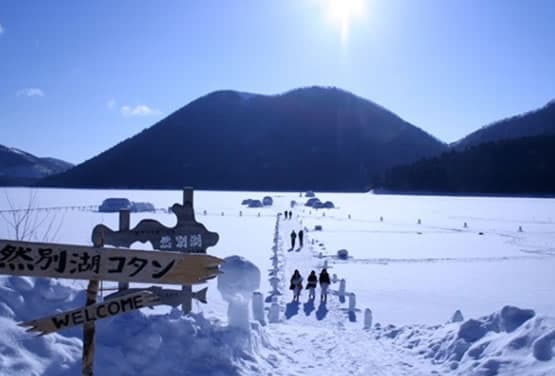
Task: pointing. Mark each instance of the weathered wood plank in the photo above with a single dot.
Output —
(110, 264)
(91, 313)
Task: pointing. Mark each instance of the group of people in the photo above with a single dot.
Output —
(294, 238)
(288, 214)
(312, 282)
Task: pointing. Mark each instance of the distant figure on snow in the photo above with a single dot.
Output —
(285, 214)
(290, 214)
(324, 284)
(301, 234)
(296, 285)
(312, 281)
(293, 237)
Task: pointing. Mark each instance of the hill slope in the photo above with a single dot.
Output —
(533, 123)
(21, 168)
(312, 138)
(517, 166)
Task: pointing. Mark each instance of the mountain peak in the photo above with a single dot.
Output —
(307, 138)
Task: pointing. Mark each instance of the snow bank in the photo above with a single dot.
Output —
(173, 344)
(128, 344)
(512, 341)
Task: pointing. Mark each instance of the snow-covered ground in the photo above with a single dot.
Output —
(412, 261)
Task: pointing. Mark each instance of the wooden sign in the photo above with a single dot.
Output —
(165, 296)
(188, 235)
(90, 263)
(111, 307)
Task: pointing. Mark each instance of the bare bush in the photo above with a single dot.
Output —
(30, 222)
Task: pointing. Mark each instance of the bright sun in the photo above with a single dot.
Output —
(342, 12)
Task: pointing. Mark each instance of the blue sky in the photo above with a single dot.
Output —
(77, 77)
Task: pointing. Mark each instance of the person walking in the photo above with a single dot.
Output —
(290, 214)
(293, 237)
(285, 214)
(312, 281)
(301, 234)
(296, 285)
(324, 284)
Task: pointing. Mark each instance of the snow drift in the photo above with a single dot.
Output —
(512, 341)
(129, 344)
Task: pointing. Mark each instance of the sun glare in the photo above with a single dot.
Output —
(342, 13)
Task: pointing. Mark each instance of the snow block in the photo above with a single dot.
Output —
(352, 302)
(258, 307)
(342, 287)
(239, 279)
(273, 315)
(367, 318)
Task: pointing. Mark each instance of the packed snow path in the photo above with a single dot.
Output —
(325, 338)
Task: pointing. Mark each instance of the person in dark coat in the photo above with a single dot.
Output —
(324, 284)
(293, 237)
(290, 214)
(285, 214)
(301, 234)
(312, 281)
(296, 285)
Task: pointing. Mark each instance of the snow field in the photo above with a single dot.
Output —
(411, 275)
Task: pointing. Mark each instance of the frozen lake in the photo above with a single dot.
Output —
(404, 271)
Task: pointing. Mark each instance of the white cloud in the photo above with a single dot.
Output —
(138, 110)
(111, 104)
(30, 92)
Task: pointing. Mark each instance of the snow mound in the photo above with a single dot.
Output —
(255, 204)
(128, 344)
(512, 341)
(311, 202)
(173, 344)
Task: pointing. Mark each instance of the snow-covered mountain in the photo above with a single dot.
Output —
(18, 167)
(308, 138)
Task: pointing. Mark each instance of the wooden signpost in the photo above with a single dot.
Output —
(187, 236)
(93, 312)
(117, 264)
(181, 260)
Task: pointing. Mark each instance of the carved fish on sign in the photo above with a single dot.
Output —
(169, 297)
